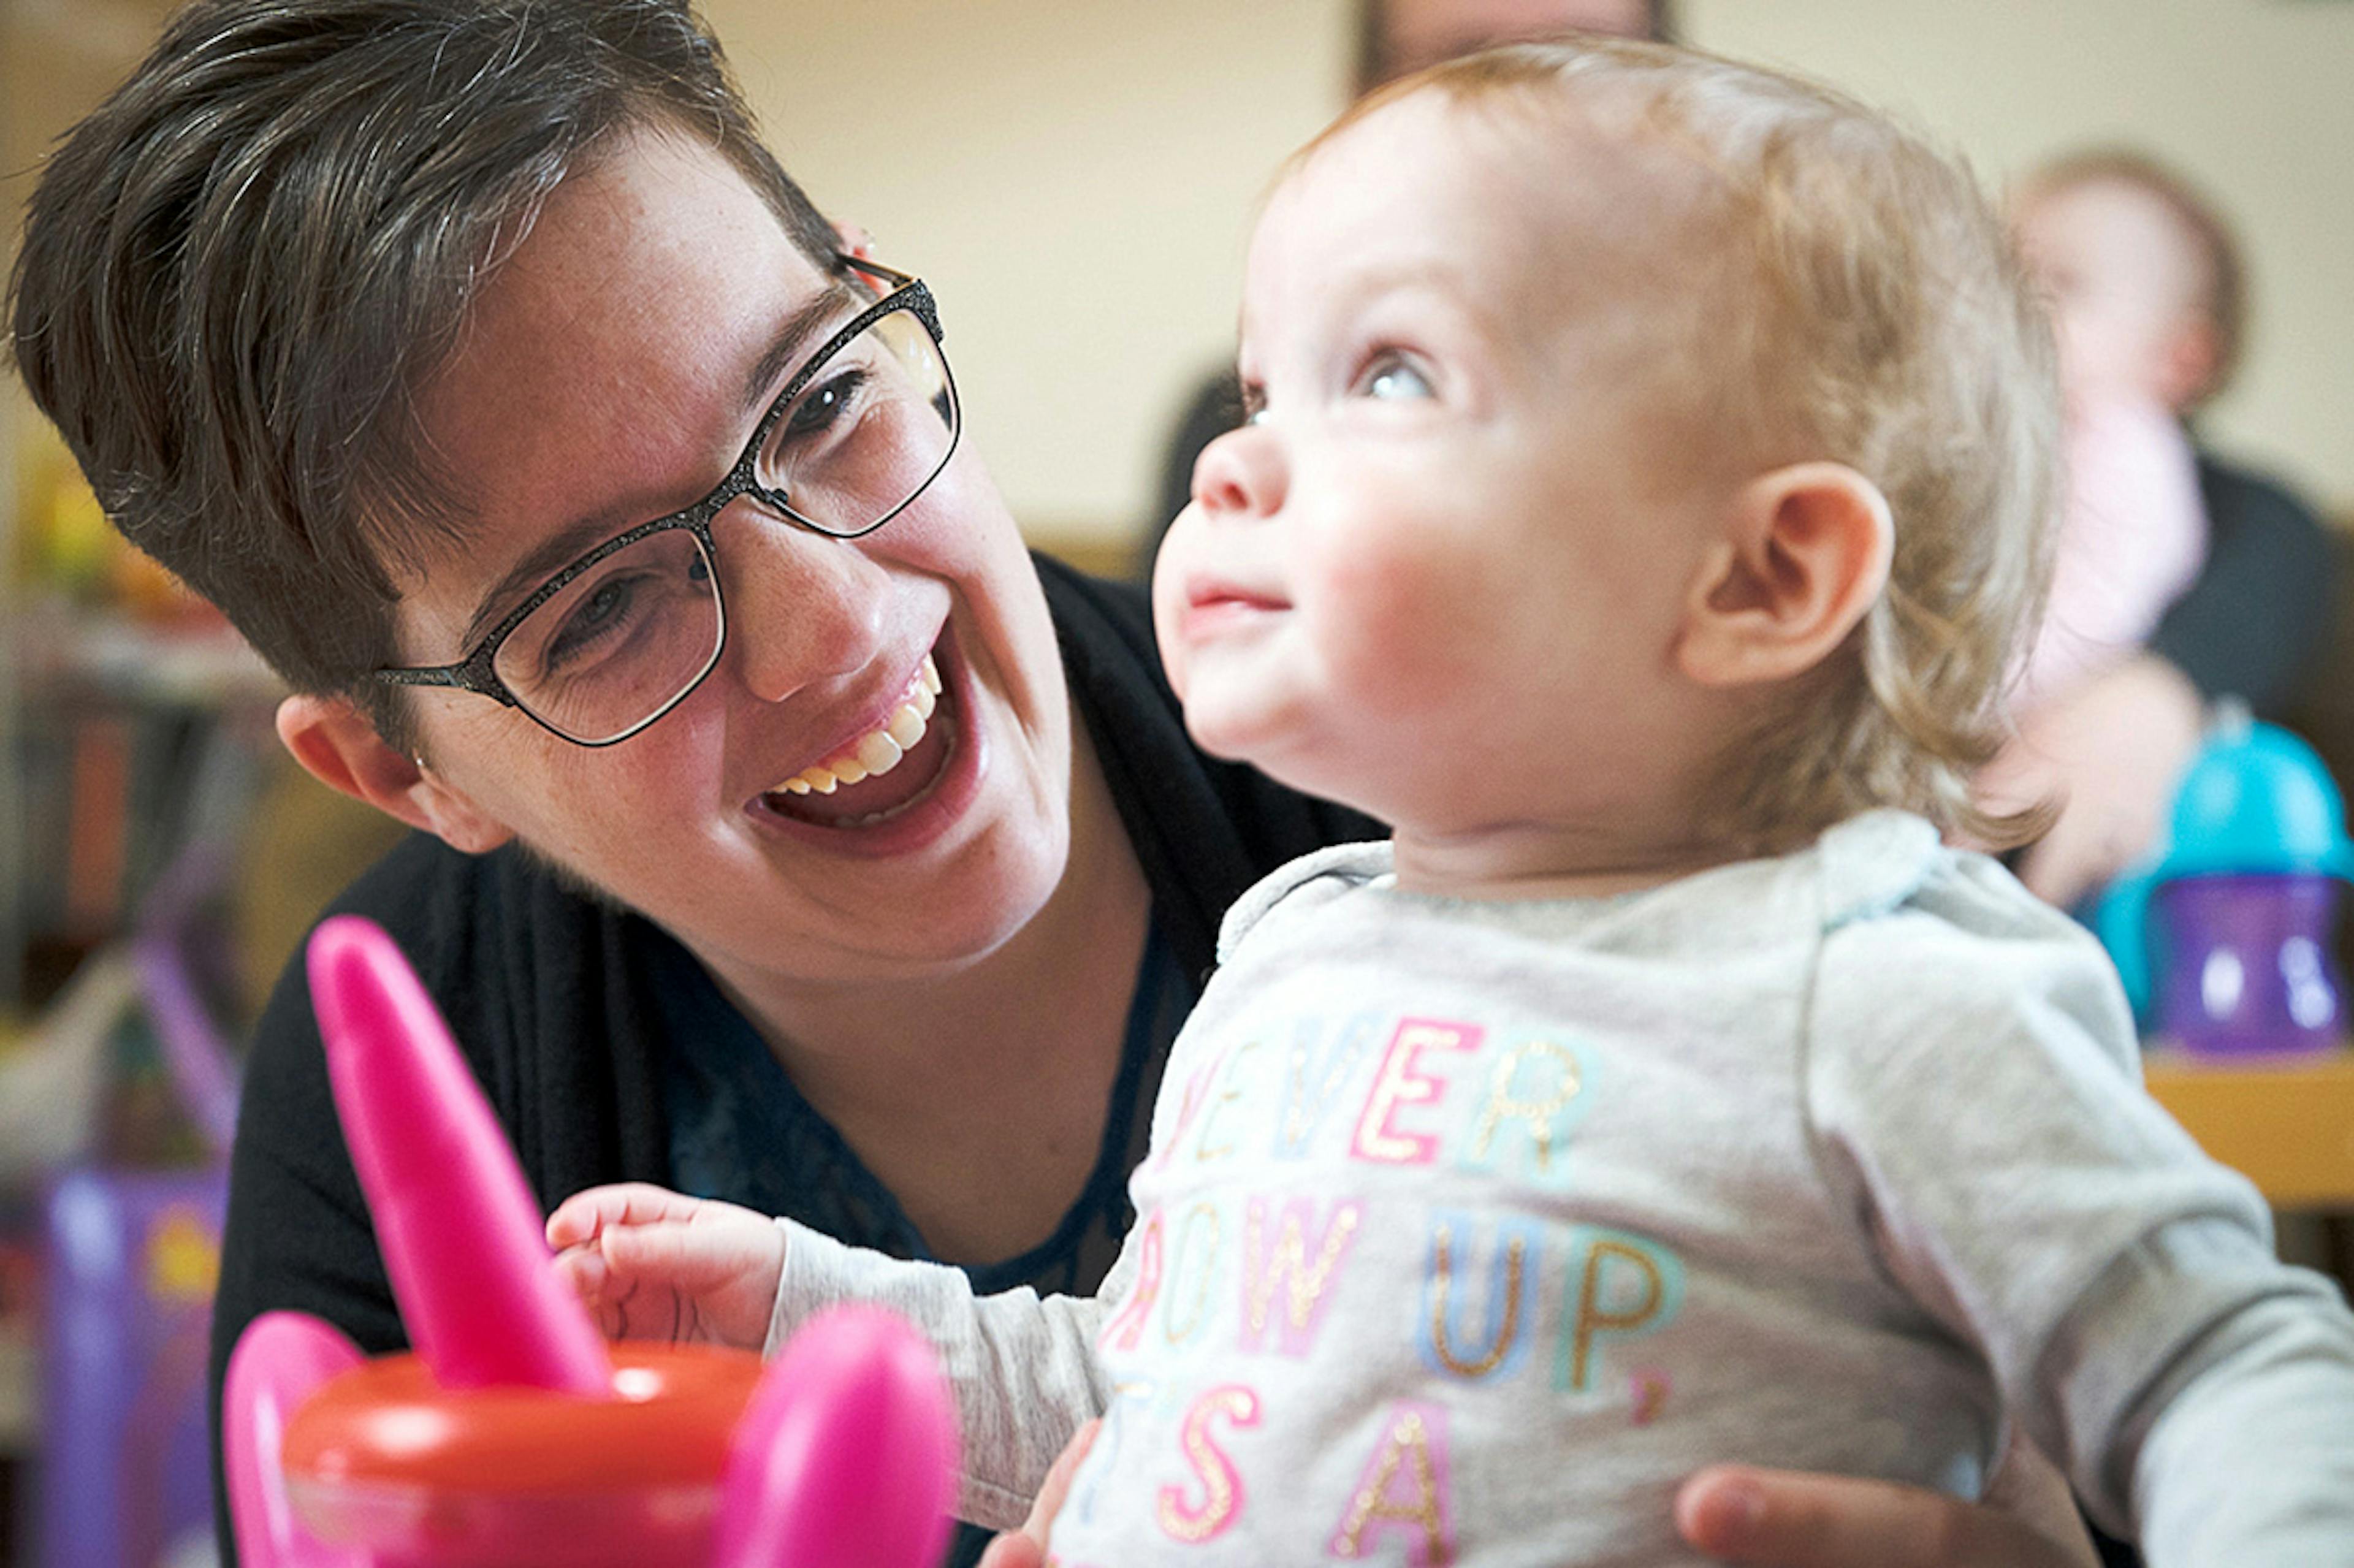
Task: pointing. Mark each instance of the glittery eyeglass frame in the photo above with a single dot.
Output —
(477, 671)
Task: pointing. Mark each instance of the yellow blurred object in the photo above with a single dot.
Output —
(148, 592)
(71, 545)
(70, 548)
(2288, 1127)
(183, 1257)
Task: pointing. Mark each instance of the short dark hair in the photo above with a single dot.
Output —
(240, 271)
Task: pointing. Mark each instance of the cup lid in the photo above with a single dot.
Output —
(2256, 799)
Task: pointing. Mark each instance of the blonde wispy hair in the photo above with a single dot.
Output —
(1878, 317)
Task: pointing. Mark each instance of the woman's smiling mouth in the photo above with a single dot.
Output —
(881, 774)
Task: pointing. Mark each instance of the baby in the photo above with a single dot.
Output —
(1641, 507)
(2142, 281)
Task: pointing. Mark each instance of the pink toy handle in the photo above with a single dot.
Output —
(847, 1455)
(279, 1360)
(461, 1232)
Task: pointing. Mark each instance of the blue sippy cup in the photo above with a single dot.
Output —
(2237, 959)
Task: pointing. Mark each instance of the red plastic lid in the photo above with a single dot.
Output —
(668, 1424)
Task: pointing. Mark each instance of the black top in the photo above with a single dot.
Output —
(2252, 622)
(566, 1007)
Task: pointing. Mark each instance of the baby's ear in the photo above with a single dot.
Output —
(1804, 554)
(2188, 363)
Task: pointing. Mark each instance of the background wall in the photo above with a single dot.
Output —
(1076, 176)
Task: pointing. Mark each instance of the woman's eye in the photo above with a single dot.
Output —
(822, 405)
(602, 614)
(1392, 376)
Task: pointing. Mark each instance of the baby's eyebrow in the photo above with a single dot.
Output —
(1434, 279)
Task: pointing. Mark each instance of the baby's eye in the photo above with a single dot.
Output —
(1253, 403)
(1392, 375)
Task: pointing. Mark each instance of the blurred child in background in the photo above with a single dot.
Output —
(2181, 577)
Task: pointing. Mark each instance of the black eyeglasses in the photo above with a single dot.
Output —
(619, 637)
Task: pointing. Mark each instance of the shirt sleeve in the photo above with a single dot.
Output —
(1023, 1366)
(1973, 1080)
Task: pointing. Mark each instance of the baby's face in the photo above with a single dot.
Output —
(2124, 282)
(1439, 574)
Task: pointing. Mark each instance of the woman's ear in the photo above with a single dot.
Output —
(854, 240)
(336, 745)
(1804, 555)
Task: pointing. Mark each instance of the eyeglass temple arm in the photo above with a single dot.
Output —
(924, 306)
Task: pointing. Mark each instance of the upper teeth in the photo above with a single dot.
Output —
(877, 751)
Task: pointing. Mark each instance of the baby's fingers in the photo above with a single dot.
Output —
(582, 1215)
(582, 1270)
(677, 1256)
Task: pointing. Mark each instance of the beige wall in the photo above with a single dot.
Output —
(1076, 176)
(1075, 179)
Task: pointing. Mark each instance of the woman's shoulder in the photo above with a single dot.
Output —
(441, 904)
(488, 935)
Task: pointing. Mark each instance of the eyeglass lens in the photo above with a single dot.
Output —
(868, 430)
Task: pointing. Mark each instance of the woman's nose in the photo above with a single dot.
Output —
(1241, 474)
(801, 606)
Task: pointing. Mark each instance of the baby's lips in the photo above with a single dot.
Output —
(1203, 592)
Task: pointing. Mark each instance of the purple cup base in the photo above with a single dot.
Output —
(2247, 970)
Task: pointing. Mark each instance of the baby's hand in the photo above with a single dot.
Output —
(652, 1265)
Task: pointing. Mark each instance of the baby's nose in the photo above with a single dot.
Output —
(1243, 474)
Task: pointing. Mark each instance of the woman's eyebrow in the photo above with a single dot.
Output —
(793, 336)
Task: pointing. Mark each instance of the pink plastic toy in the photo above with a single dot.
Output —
(513, 1437)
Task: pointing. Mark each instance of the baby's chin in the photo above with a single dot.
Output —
(1293, 761)
(1224, 741)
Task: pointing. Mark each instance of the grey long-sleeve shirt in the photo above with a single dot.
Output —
(1470, 1229)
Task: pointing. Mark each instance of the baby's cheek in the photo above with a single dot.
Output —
(1396, 634)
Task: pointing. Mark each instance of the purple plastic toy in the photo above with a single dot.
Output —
(128, 1296)
(514, 1437)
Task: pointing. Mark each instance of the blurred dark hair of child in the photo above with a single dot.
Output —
(1398, 37)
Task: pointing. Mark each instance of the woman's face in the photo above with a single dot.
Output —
(611, 372)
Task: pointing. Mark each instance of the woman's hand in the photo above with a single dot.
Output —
(1784, 1518)
(1026, 1547)
(650, 1263)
